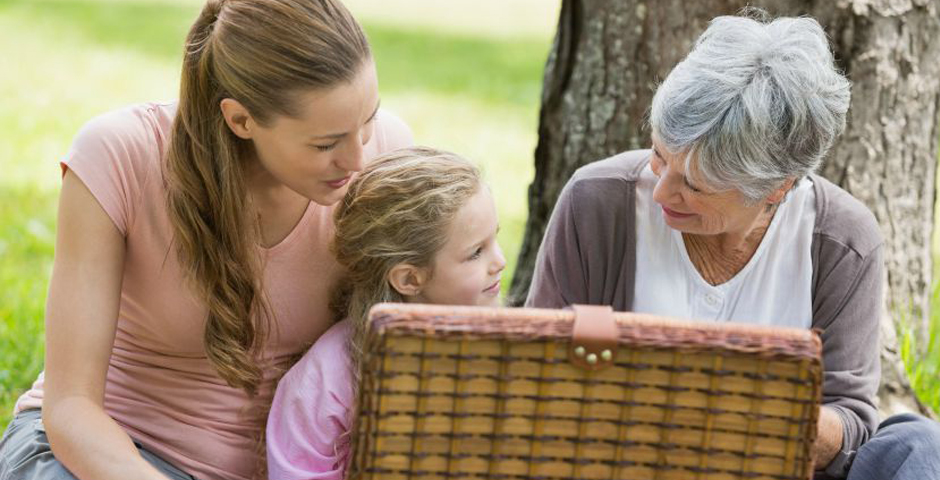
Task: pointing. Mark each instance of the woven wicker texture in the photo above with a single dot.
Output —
(464, 392)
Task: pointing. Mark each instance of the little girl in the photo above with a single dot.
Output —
(417, 225)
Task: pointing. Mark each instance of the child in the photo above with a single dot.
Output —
(417, 225)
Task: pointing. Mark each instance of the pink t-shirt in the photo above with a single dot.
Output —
(308, 426)
(160, 385)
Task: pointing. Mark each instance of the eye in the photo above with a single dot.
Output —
(655, 166)
(326, 148)
(656, 163)
(476, 254)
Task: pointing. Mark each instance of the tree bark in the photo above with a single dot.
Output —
(608, 56)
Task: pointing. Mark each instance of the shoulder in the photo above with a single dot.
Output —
(135, 129)
(326, 364)
(117, 153)
(607, 180)
(624, 167)
(310, 412)
(844, 220)
(391, 131)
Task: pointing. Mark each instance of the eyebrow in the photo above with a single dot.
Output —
(480, 243)
(685, 177)
(336, 136)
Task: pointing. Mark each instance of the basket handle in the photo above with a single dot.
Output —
(594, 337)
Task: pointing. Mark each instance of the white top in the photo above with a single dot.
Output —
(774, 288)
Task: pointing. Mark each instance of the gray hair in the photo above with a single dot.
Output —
(755, 102)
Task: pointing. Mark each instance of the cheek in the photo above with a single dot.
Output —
(714, 218)
(468, 286)
(712, 224)
(277, 157)
(367, 133)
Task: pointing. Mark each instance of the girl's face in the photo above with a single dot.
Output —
(467, 269)
(316, 154)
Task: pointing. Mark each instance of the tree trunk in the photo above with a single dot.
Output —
(608, 56)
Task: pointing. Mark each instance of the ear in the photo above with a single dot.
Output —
(408, 280)
(237, 117)
(777, 195)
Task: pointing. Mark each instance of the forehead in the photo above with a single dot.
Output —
(474, 219)
(676, 160)
(338, 108)
(677, 163)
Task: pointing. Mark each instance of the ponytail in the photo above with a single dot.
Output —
(215, 237)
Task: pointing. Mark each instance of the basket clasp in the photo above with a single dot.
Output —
(594, 337)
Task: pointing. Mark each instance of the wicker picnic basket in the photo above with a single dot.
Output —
(470, 392)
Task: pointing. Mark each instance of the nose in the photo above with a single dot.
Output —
(351, 158)
(499, 261)
(666, 190)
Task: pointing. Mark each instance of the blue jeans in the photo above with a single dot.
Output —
(25, 453)
(906, 446)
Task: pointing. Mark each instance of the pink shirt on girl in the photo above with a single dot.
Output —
(160, 385)
(308, 427)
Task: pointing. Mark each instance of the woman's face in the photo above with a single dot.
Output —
(691, 206)
(317, 153)
(467, 269)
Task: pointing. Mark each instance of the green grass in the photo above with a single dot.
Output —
(470, 89)
(26, 241)
(922, 355)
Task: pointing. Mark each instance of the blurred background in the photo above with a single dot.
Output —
(464, 74)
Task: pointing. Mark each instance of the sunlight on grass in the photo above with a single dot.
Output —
(46, 101)
(26, 240)
(507, 20)
(922, 356)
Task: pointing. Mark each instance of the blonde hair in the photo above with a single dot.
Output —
(398, 210)
(262, 53)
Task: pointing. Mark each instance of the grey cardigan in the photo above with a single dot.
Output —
(588, 256)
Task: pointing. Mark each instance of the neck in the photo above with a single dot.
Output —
(276, 208)
(265, 191)
(720, 257)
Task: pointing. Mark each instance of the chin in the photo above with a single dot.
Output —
(491, 302)
(326, 198)
(680, 227)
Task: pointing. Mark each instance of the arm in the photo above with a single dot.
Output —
(828, 438)
(81, 319)
(307, 434)
(847, 307)
(558, 279)
(588, 253)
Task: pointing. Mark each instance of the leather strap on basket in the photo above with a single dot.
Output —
(594, 338)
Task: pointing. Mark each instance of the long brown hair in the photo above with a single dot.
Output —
(262, 53)
(398, 210)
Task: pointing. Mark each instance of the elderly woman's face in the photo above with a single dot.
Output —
(691, 206)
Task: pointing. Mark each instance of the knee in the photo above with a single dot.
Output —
(915, 431)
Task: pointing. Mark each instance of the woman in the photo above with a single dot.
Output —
(724, 220)
(192, 249)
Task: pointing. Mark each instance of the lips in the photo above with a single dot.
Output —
(339, 183)
(492, 288)
(675, 214)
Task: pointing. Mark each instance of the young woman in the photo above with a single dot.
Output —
(191, 254)
(417, 225)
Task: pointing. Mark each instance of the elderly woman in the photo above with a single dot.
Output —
(724, 220)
